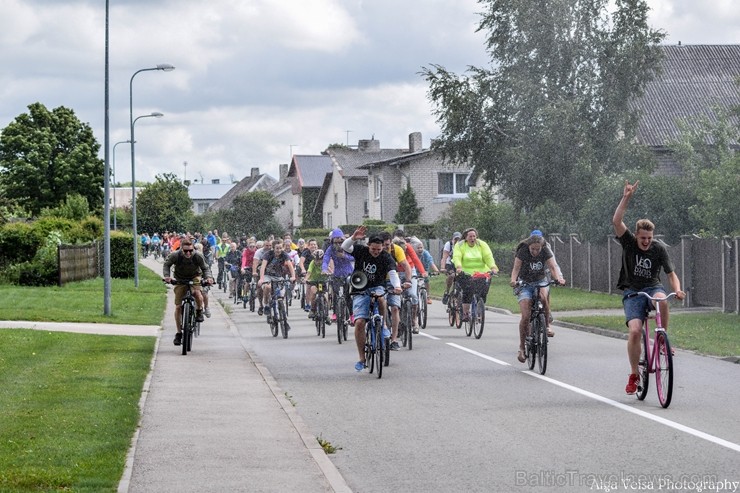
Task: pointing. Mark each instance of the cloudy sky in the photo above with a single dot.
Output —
(257, 79)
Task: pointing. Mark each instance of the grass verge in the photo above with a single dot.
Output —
(83, 301)
(68, 408)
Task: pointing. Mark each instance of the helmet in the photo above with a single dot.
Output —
(319, 253)
(336, 233)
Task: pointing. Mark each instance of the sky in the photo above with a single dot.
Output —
(257, 81)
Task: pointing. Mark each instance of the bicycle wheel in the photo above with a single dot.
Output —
(403, 327)
(459, 312)
(341, 321)
(189, 337)
(370, 346)
(185, 325)
(423, 308)
(252, 296)
(542, 344)
(470, 324)
(531, 342)
(451, 311)
(380, 349)
(245, 295)
(283, 318)
(409, 326)
(643, 367)
(664, 369)
(322, 309)
(274, 328)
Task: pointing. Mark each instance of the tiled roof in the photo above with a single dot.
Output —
(310, 170)
(351, 161)
(249, 184)
(694, 80)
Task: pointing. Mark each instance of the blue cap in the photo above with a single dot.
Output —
(536, 232)
(336, 233)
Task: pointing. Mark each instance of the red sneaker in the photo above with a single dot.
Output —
(631, 387)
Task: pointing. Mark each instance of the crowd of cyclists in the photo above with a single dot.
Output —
(393, 263)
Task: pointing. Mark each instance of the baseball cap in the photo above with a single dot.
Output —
(536, 232)
(456, 234)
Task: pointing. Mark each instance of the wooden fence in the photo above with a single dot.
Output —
(77, 262)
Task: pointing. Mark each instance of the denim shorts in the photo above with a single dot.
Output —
(412, 290)
(527, 292)
(393, 299)
(361, 303)
(639, 306)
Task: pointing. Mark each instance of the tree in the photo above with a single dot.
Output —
(251, 213)
(46, 156)
(553, 113)
(408, 209)
(164, 205)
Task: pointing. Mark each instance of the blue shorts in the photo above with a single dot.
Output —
(527, 292)
(361, 302)
(392, 299)
(639, 306)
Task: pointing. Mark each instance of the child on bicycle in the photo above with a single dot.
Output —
(531, 262)
(642, 259)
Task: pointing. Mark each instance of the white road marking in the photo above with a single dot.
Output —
(613, 403)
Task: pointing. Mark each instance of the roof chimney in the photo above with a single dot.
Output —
(415, 142)
(371, 145)
(255, 172)
(283, 171)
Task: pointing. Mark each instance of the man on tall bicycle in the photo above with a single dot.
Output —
(376, 264)
(642, 259)
(189, 266)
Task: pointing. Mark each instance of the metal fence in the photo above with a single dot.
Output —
(77, 262)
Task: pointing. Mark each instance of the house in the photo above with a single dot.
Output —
(307, 175)
(694, 81)
(204, 195)
(365, 182)
(255, 181)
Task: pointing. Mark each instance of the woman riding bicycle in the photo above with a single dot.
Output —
(338, 264)
(472, 255)
(314, 276)
(531, 262)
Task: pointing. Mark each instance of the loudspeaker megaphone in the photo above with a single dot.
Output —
(358, 281)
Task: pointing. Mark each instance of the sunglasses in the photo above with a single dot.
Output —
(187, 250)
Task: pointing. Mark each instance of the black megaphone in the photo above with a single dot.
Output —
(358, 280)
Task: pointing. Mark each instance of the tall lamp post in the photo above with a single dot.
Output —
(154, 114)
(166, 68)
(114, 180)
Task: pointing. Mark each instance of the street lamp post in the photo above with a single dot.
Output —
(164, 67)
(154, 114)
(114, 180)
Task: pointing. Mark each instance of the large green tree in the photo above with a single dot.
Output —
(251, 213)
(163, 206)
(408, 208)
(46, 156)
(552, 113)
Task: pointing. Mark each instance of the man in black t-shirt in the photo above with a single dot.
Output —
(642, 259)
(376, 264)
(276, 264)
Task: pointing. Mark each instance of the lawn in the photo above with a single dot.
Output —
(83, 301)
(68, 408)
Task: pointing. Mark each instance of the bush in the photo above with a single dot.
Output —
(18, 243)
(47, 225)
(318, 233)
(503, 254)
(121, 255)
(426, 231)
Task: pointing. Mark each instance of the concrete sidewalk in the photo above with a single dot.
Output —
(215, 420)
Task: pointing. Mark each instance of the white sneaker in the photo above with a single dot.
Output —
(207, 312)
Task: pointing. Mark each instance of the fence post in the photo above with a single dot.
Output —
(573, 237)
(737, 276)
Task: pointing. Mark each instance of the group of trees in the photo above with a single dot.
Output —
(548, 124)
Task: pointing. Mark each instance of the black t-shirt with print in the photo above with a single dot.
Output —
(533, 268)
(641, 269)
(276, 264)
(375, 268)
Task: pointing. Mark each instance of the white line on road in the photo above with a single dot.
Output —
(618, 405)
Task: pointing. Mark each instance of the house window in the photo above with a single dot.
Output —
(377, 187)
(203, 207)
(452, 184)
(329, 224)
(336, 200)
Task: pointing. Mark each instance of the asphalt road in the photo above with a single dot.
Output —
(460, 414)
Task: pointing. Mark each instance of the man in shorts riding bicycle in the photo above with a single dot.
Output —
(276, 264)
(376, 264)
(642, 259)
(189, 266)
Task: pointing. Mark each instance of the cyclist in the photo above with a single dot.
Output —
(248, 260)
(376, 264)
(189, 266)
(447, 265)
(145, 241)
(155, 242)
(531, 261)
(642, 259)
(262, 248)
(222, 249)
(472, 255)
(417, 269)
(339, 265)
(394, 301)
(276, 264)
(314, 276)
(233, 261)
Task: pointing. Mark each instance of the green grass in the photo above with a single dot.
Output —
(716, 334)
(83, 301)
(68, 408)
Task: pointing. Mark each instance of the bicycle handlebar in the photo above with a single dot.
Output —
(651, 298)
(552, 282)
(188, 282)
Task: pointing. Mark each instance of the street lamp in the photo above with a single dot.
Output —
(154, 114)
(166, 68)
(114, 179)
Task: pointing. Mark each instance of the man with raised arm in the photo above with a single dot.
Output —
(642, 259)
